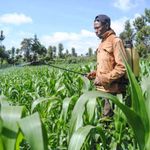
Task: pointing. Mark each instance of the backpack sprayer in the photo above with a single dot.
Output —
(38, 63)
(133, 57)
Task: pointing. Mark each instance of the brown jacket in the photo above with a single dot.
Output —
(110, 66)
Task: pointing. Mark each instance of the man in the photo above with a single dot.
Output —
(110, 67)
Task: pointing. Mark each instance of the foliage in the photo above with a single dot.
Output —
(139, 34)
(70, 109)
(128, 33)
(15, 128)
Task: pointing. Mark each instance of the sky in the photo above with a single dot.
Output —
(69, 22)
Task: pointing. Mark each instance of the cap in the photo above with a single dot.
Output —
(103, 19)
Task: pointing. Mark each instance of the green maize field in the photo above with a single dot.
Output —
(42, 108)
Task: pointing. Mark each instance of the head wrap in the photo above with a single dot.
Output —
(103, 19)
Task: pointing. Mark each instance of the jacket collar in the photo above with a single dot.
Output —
(107, 34)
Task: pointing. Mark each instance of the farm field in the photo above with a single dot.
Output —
(46, 108)
(56, 61)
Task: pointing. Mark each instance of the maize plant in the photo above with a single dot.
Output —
(51, 109)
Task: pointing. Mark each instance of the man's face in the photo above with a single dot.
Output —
(99, 29)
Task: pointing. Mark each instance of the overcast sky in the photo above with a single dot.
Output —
(69, 22)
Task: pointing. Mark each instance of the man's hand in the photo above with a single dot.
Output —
(97, 82)
(91, 75)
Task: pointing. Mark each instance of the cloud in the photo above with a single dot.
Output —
(133, 19)
(65, 36)
(125, 4)
(87, 33)
(118, 25)
(15, 18)
(80, 41)
(14, 39)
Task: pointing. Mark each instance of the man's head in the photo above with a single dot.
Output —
(101, 25)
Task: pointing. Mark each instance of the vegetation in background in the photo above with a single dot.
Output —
(139, 33)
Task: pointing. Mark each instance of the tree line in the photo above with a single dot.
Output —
(32, 50)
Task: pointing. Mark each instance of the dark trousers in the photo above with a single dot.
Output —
(108, 109)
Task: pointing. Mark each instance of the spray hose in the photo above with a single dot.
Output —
(37, 63)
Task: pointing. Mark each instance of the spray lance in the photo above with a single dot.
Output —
(39, 63)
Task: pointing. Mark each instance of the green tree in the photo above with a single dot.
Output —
(139, 34)
(73, 51)
(128, 33)
(60, 50)
(90, 52)
(50, 52)
(142, 40)
(67, 53)
(33, 49)
(26, 46)
(12, 58)
(17, 51)
(18, 57)
(139, 23)
(37, 48)
(3, 54)
(54, 51)
(13, 52)
(147, 15)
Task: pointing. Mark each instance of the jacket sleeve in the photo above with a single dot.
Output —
(119, 69)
